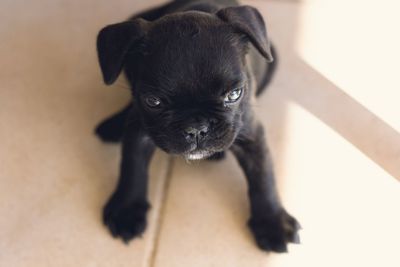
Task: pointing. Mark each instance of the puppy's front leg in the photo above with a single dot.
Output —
(271, 225)
(125, 212)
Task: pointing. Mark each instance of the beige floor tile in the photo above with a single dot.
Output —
(365, 41)
(55, 176)
(204, 218)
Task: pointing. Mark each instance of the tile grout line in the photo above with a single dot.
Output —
(161, 211)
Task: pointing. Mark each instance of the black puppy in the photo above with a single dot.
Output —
(194, 72)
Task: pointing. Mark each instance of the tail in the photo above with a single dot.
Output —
(269, 73)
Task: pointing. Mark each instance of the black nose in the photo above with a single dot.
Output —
(193, 133)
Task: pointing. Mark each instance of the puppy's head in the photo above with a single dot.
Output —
(188, 74)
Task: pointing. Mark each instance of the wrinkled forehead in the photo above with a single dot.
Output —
(190, 24)
(198, 52)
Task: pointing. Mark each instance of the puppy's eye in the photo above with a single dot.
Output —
(153, 101)
(233, 96)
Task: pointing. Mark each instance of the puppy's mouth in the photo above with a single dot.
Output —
(197, 155)
(200, 151)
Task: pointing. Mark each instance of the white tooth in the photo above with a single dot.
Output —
(196, 156)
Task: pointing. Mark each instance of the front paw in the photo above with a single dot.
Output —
(273, 232)
(126, 221)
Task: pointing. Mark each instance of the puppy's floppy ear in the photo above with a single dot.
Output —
(248, 20)
(113, 44)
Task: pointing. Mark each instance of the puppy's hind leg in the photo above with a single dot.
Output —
(111, 129)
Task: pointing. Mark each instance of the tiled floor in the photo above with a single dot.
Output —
(336, 154)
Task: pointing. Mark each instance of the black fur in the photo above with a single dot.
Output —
(183, 61)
